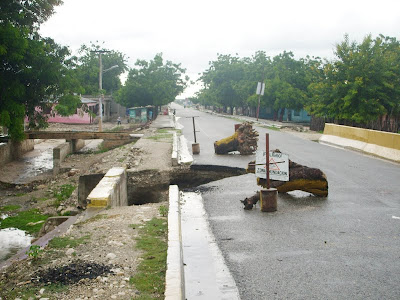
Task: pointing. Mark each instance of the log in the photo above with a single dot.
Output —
(243, 140)
(301, 178)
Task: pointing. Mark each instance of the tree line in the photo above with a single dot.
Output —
(359, 87)
(36, 73)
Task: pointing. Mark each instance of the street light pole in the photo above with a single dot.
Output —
(101, 97)
(101, 93)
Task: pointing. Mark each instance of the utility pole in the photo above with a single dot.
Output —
(100, 52)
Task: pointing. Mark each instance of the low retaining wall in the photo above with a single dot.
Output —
(14, 150)
(174, 278)
(61, 151)
(111, 190)
(379, 143)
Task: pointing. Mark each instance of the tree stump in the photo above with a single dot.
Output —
(301, 178)
(243, 140)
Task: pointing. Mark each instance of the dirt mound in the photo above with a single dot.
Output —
(72, 273)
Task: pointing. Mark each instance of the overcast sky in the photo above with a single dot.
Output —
(193, 32)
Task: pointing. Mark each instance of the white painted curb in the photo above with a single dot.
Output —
(372, 149)
(174, 278)
(175, 149)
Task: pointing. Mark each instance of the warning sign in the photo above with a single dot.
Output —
(278, 165)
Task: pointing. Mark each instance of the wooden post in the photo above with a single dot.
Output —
(267, 158)
(268, 197)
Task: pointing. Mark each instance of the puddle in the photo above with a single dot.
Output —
(12, 240)
(206, 274)
(33, 163)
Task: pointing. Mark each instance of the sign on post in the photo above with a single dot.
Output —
(260, 88)
(278, 165)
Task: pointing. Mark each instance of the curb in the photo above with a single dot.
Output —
(174, 278)
(366, 148)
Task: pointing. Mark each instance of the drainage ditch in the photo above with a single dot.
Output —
(151, 186)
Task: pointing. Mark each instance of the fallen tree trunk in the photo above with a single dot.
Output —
(243, 140)
(301, 178)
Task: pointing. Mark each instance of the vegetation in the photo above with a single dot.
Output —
(34, 251)
(359, 86)
(30, 221)
(63, 193)
(152, 83)
(9, 208)
(150, 277)
(64, 242)
(162, 134)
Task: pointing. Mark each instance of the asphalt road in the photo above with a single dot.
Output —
(345, 246)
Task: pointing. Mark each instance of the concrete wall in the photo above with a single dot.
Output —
(86, 184)
(111, 190)
(380, 138)
(61, 151)
(14, 150)
(379, 143)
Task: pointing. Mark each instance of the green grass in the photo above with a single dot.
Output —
(150, 276)
(22, 219)
(9, 208)
(271, 128)
(63, 193)
(93, 219)
(115, 129)
(162, 134)
(64, 242)
(21, 292)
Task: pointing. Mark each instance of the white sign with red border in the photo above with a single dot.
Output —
(278, 165)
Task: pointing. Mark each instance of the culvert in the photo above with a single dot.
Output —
(151, 186)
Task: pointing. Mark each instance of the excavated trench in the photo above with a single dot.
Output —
(151, 186)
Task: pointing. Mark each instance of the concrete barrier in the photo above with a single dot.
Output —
(61, 151)
(175, 150)
(111, 190)
(378, 143)
(174, 278)
(14, 150)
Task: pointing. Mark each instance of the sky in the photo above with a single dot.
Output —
(194, 32)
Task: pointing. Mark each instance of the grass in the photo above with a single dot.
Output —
(64, 242)
(30, 292)
(271, 128)
(101, 149)
(162, 134)
(150, 276)
(23, 218)
(63, 193)
(9, 208)
(93, 219)
(18, 292)
(115, 129)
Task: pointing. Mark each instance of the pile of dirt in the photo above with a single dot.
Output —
(72, 273)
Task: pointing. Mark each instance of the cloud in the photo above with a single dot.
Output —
(193, 32)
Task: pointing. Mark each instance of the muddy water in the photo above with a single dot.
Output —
(32, 164)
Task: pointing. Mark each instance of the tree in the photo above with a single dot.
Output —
(223, 81)
(361, 84)
(152, 83)
(87, 70)
(33, 70)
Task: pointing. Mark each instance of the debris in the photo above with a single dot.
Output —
(72, 273)
(243, 140)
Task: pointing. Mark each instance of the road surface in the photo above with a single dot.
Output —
(345, 246)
